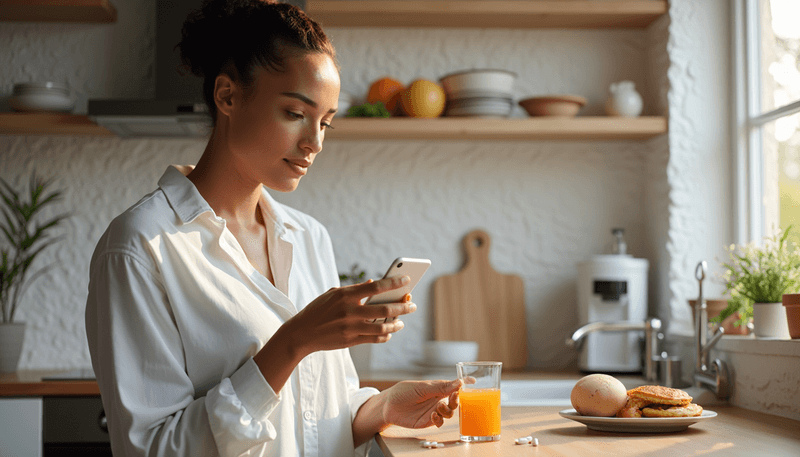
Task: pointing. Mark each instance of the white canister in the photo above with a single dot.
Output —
(612, 288)
(623, 100)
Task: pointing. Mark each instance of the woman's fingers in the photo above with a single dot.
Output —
(437, 419)
(444, 410)
(368, 328)
(387, 310)
(369, 288)
(453, 400)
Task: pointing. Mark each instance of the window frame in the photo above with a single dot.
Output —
(748, 122)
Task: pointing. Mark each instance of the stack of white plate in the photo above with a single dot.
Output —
(41, 96)
(484, 92)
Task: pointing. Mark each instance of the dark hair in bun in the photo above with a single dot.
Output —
(239, 37)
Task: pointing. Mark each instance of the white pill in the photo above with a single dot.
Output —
(536, 441)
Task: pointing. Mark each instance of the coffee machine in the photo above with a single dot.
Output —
(612, 288)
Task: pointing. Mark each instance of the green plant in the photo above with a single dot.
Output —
(27, 239)
(377, 109)
(760, 275)
(354, 277)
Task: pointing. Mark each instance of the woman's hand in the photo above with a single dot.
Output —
(410, 404)
(336, 319)
(339, 319)
(419, 404)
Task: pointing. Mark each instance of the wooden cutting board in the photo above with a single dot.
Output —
(480, 304)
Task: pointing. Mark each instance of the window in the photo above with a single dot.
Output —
(767, 82)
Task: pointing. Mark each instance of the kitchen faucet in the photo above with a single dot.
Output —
(650, 327)
(715, 378)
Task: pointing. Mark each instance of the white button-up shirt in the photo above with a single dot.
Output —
(175, 314)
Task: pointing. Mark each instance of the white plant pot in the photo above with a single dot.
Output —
(11, 337)
(769, 320)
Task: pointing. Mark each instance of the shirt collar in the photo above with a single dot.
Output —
(187, 202)
(183, 197)
(275, 211)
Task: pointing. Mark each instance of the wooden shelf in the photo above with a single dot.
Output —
(471, 128)
(99, 11)
(578, 14)
(453, 128)
(49, 124)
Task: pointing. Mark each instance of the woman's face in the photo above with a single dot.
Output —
(276, 133)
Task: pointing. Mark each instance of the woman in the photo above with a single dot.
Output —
(215, 320)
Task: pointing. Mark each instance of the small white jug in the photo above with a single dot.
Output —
(623, 100)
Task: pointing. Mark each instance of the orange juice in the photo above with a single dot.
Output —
(479, 412)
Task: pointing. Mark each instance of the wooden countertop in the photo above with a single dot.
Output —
(30, 383)
(734, 432)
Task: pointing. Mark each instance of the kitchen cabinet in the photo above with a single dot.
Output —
(84, 11)
(21, 426)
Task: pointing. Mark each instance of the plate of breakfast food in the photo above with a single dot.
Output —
(636, 424)
(601, 403)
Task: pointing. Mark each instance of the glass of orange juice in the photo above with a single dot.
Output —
(479, 401)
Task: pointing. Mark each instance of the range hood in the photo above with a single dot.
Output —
(178, 110)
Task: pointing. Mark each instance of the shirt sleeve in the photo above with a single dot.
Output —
(148, 398)
(356, 396)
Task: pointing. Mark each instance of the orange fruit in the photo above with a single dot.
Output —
(394, 104)
(423, 98)
(383, 90)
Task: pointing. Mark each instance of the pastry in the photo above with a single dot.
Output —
(690, 410)
(660, 395)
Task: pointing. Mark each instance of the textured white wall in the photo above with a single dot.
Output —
(547, 205)
(700, 169)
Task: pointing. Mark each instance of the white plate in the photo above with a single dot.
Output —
(636, 424)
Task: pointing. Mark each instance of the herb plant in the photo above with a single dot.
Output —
(354, 277)
(760, 275)
(377, 109)
(26, 238)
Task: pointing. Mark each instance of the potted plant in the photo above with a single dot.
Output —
(24, 237)
(756, 278)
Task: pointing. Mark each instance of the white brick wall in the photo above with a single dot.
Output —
(547, 205)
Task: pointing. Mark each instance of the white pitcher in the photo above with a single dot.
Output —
(623, 100)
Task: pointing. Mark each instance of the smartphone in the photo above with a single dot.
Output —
(402, 266)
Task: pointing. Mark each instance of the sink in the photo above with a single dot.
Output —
(537, 392)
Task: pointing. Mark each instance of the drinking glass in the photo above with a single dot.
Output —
(479, 401)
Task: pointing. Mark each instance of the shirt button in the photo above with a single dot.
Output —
(308, 415)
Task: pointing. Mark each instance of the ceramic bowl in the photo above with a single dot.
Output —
(553, 105)
(448, 353)
(38, 97)
(478, 83)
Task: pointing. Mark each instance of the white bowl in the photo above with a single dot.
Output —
(449, 353)
(479, 83)
(38, 87)
(43, 96)
(41, 102)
